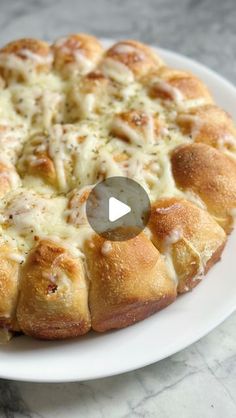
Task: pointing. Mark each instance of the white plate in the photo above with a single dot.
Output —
(191, 317)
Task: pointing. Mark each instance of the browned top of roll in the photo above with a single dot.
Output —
(210, 174)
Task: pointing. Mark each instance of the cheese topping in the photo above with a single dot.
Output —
(171, 91)
(60, 138)
(117, 71)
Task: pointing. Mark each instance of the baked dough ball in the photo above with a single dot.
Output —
(36, 159)
(9, 280)
(92, 94)
(128, 60)
(137, 127)
(189, 237)
(56, 156)
(211, 175)
(38, 106)
(71, 115)
(128, 281)
(19, 59)
(209, 124)
(53, 300)
(9, 179)
(175, 85)
(77, 53)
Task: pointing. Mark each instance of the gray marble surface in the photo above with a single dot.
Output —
(201, 380)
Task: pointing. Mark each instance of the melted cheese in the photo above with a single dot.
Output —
(174, 93)
(117, 71)
(27, 216)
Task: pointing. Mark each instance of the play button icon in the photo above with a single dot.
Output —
(118, 208)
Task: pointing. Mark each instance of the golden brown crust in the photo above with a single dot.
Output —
(42, 166)
(37, 162)
(28, 50)
(137, 57)
(216, 256)
(129, 282)
(137, 126)
(93, 85)
(210, 125)
(189, 235)
(93, 82)
(164, 83)
(34, 45)
(211, 175)
(9, 272)
(53, 294)
(77, 52)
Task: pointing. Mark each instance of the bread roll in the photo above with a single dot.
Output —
(76, 53)
(175, 85)
(129, 59)
(91, 95)
(54, 156)
(53, 301)
(20, 58)
(188, 236)
(210, 125)
(211, 175)
(128, 281)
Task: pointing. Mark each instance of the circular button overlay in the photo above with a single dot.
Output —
(118, 208)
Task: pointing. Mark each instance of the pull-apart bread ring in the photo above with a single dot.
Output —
(189, 237)
(53, 299)
(73, 114)
(129, 281)
(211, 175)
(92, 94)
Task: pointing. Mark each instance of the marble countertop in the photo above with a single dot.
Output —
(201, 380)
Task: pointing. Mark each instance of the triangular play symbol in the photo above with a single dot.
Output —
(117, 209)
